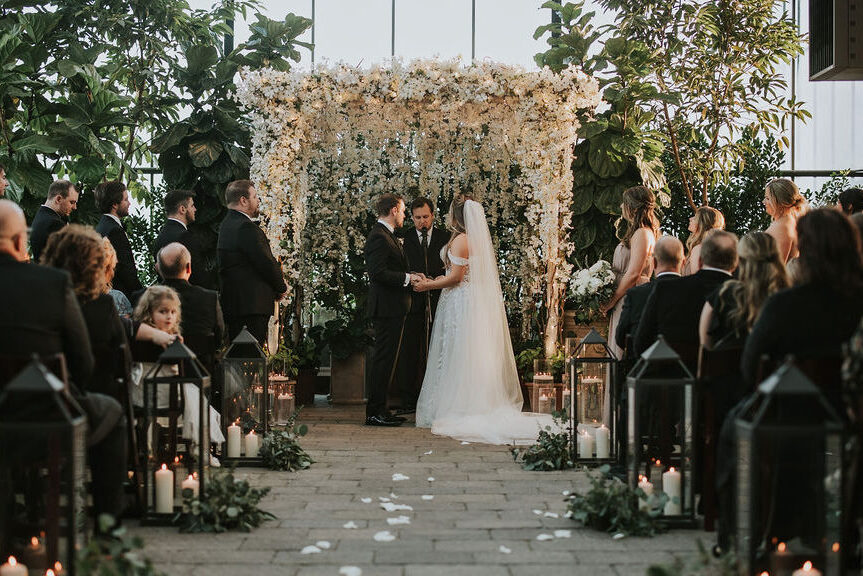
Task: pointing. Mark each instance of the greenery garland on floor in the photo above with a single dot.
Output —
(225, 504)
(115, 555)
(551, 451)
(281, 449)
(704, 564)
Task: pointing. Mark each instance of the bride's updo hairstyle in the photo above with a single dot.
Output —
(639, 207)
(786, 198)
(455, 219)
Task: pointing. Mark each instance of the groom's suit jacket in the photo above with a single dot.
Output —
(387, 265)
(126, 274)
(429, 264)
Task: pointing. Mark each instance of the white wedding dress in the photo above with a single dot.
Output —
(471, 389)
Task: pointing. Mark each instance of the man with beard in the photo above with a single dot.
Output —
(251, 278)
(112, 199)
(180, 209)
(52, 215)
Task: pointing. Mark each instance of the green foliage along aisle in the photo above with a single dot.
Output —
(226, 504)
(281, 449)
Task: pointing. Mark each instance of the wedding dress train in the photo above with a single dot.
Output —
(471, 389)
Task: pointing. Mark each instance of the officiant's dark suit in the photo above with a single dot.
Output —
(423, 249)
(388, 303)
(45, 223)
(673, 308)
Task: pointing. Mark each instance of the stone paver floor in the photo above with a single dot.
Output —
(481, 520)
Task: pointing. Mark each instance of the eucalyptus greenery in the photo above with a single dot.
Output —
(551, 451)
(704, 564)
(225, 504)
(281, 449)
(612, 506)
(284, 361)
(114, 556)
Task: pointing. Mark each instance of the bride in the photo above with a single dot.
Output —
(471, 389)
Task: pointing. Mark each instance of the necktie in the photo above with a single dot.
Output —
(425, 245)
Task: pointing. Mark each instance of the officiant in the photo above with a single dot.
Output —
(422, 246)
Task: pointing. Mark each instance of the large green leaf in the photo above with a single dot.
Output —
(608, 196)
(583, 234)
(604, 160)
(200, 58)
(172, 137)
(204, 152)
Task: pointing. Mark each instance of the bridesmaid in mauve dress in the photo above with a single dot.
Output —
(633, 257)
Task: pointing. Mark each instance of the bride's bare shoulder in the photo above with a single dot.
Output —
(459, 246)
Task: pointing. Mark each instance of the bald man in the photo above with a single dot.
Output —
(42, 317)
(668, 263)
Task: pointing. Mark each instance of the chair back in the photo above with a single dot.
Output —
(11, 365)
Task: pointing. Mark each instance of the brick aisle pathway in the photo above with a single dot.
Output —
(480, 515)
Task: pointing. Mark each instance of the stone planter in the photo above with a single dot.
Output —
(305, 391)
(571, 329)
(348, 380)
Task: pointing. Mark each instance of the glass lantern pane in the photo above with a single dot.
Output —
(591, 392)
(282, 393)
(833, 502)
(246, 397)
(744, 497)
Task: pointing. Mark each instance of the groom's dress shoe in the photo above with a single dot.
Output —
(403, 411)
(395, 418)
(381, 420)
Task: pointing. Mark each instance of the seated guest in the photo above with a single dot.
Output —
(667, 262)
(124, 307)
(53, 215)
(46, 320)
(730, 312)
(673, 309)
(180, 210)
(703, 221)
(822, 309)
(78, 250)
(851, 201)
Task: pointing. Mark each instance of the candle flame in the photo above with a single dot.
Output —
(12, 561)
(641, 478)
(765, 573)
(658, 462)
(176, 459)
(58, 567)
(835, 547)
(34, 542)
(191, 477)
(807, 566)
(781, 547)
(252, 432)
(164, 466)
(671, 469)
(49, 572)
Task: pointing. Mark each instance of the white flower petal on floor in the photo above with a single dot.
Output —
(537, 512)
(393, 496)
(618, 536)
(399, 520)
(366, 500)
(350, 571)
(390, 507)
(310, 550)
(566, 492)
(551, 515)
(504, 550)
(323, 544)
(563, 533)
(568, 514)
(384, 536)
(383, 499)
(350, 525)
(464, 443)
(399, 477)
(544, 537)
(428, 453)
(431, 478)
(427, 497)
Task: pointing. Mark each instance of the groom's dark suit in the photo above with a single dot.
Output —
(388, 304)
(412, 358)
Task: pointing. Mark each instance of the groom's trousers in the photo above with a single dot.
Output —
(388, 337)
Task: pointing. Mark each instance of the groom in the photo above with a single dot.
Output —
(388, 303)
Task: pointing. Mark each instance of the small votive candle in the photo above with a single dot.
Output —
(13, 568)
(192, 484)
(252, 445)
(807, 570)
(647, 487)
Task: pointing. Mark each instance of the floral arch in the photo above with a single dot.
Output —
(326, 143)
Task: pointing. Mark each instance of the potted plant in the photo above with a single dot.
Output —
(348, 338)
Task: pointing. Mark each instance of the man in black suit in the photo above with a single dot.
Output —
(668, 262)
(251, 278)
(180, 210)
(673, 308)
(422, 246)
(52, 215)
(388, 303)
(42, 317)
(112, 199)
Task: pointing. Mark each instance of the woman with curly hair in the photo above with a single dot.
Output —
(703, 221)
(731, 311)
(78, 250)
(633, 257)
(784, 203)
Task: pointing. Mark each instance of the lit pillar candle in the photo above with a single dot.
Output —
(164, 491)
(13, 568)
(251, 445)
(235, 436)
(585, 446)
(544, 404)
(191, 484)
(671, 487)
(603, 440)
(647, 488)
(806, 570)
(566, 399)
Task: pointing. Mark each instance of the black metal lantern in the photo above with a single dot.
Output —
(789, 478)
(591, 410)
(661, 403)
(175, 385)
(42, 472)
(246, 399)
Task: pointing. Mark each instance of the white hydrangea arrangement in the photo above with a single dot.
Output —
(589, 288)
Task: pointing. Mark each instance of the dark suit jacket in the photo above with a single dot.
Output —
(174, 231)
(811, 320)
(45, 223)
(126, 275)
(107, 335)
(417, 262)
(41, 316)
(386, 265)
(251, 278)
(673, 309)
(633, 306)
(201, 311)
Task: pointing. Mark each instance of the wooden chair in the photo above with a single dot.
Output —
(11, 365)
(718, 370)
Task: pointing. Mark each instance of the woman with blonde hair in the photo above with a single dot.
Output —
(703, 221)
(730, 312)
(784, 203)
(633, 257)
